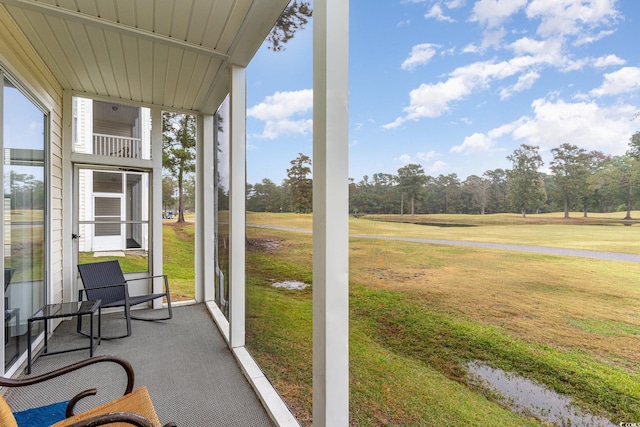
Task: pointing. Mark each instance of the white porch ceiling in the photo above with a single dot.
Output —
(171, 53)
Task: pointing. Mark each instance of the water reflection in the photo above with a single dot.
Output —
(526, 397)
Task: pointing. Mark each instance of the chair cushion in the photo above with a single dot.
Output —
(138, 402)
(6, 416)
(42, 416)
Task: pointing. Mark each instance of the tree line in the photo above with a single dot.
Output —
(579, 180)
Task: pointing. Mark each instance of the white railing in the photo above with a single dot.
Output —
(117, 146)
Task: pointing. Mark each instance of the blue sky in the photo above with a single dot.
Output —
(457, 85)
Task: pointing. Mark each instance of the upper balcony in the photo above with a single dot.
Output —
(117, 146)
(111, 130)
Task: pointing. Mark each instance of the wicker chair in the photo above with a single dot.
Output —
(133, 408)
(105, 281)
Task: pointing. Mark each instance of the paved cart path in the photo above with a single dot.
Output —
(612, 256)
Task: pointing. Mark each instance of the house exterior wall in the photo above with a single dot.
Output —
(20, 60)
(86, 123)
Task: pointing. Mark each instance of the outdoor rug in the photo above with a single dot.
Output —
(192, 377)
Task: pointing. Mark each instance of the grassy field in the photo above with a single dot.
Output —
(543, 230)
(419, 313)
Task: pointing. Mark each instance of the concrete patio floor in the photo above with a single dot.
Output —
(192, 377)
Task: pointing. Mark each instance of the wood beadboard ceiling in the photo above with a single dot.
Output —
(169, 53)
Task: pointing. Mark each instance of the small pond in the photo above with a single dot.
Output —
(527, 397)
(291, 284)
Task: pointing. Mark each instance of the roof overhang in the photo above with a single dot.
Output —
(175, 54)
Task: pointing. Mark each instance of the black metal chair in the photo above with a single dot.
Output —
(105, 281)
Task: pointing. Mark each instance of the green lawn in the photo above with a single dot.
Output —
(420, 312)
(543, 230)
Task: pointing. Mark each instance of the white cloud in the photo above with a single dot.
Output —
(436, 12)
(625, 80)
(525, 81)
(432, 100)
(471, 48)
(405, 159)
(274, 129)
(587, 124)
(282, 105)
(437, 166)
(505, 129)
(609, 60)
(555, 122)
(493, 12)
(419, 157)
(493, 38)
(474, 144)
(394, 124)
(549, 51)
(479, 143)
(490, 38)
(580, 19)
(278, 112)
(420, 54)
(448, 52)
(35, 127)
(574, 64)
(426, 156)
(590, 38)
(570, 17)
(454, 4)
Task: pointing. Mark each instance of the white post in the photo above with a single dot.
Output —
(205, 208)
(155, 222)
(70, 271)
(2, 213)
(237, 190)
(330, 214)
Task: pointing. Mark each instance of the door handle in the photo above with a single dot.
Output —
(75, 236)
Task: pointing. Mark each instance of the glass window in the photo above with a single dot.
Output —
(222, 178)
(107, 182)
(24, 178)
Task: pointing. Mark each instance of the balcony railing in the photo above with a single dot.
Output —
(117, 146)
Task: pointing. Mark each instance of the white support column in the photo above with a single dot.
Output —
(205, 208)
(330, 214)
(155, 222)
(2, 211)
(237, 190)
(69, 269)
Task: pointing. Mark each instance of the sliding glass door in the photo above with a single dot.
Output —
(24, 180)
